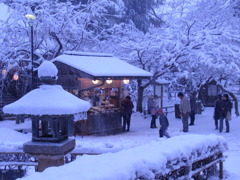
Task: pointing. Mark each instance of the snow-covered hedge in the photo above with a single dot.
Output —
(145, 161)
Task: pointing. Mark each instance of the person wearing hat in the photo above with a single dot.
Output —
(163, 121)
(217, 110)
(185, 110)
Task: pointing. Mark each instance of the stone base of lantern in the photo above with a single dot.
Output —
(49, 154)
(49, 161)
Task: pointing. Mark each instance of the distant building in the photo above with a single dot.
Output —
(208, 92)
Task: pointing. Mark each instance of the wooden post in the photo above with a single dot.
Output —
(187, 169)
(220, 169)
(161, 95)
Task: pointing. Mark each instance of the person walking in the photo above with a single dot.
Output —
(154, 109)
(217, 110)
(127, 107)
(225, 113)
(185, 110)
(154, 117)
(163, 120)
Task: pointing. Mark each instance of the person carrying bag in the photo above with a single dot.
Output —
(228, 116)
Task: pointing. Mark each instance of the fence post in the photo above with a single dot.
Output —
(220, 169)
(188, 170)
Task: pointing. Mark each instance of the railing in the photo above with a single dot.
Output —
(11, 160)
(206, 167)
(168, 109)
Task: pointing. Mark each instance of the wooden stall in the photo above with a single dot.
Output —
(97, 78)
(104, 117)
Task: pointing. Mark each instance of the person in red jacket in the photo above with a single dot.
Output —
(127, 107)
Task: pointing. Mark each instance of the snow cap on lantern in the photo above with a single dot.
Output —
(47, 72)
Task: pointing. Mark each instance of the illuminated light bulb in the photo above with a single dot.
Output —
(15, 77)
(30, 16)
(126, 81)
(4, 72)
(95, 81)
(109, 81)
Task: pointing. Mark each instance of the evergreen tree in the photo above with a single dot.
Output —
(142, 13)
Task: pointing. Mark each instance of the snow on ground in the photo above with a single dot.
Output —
(10, 138)
(139, 134)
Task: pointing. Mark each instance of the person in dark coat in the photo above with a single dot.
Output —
(217, 110)
(163, 120)
(96, 100)
(127, 107)
(226, 107)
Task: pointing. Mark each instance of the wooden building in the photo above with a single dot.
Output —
(98, 79)
(208, 92)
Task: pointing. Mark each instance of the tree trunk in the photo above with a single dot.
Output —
(235, 103)
(140, 96)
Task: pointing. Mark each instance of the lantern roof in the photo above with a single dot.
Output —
(48, 99)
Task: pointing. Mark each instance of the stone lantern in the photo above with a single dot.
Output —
(50, 107)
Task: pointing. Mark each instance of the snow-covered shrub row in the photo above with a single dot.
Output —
(145, 161)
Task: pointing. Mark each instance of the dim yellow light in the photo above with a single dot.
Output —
(109, 81)
(126, 81)
(95, 81)
(30, 16)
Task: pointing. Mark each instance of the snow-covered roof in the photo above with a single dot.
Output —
(162, 81)
(101, 65)
(47, 100)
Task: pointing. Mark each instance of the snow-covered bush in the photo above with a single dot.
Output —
(147, 161)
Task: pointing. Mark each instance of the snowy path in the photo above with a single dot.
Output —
(204, 124)
(140, 133)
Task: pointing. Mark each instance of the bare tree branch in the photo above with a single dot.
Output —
(54, 35)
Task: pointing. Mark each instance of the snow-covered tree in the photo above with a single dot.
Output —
(59, 26)
(194, 46)
(142, 13)
(180, 40)
(64, 26)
